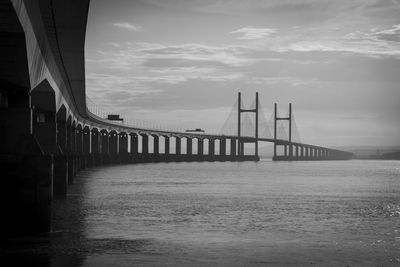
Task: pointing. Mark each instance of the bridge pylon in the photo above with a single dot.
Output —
(242, 140)
(289, 119)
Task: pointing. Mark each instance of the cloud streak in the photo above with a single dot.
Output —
(251, 33)
(128, 26)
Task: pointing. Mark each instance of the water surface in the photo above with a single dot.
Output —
(323, 213)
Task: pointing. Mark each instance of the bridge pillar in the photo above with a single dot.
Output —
(104, 142)
(69, 136)
(73, 138)
(145, 144)
(79, 146)
(69, 152)
(222, 147)
(297, 151)
(211, 147)
(200, 146)
(73, 156)
(167, 145)
(285, 150)
(95, 146)
(156, 145)
(123, 143)
(233, 147)
(177, 145)
(79, 140)
(60, 173)
(123, 147)
(134, 143)
(95, 141)
(86, 146)
(45, 130)
(62, 134)
(189, 146)
(113, 145)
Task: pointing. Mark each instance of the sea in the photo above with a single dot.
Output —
(304, 213)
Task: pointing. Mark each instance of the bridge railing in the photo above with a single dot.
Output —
(101, 114)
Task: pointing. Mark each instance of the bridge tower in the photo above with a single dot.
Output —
(242, 141)
(289, 118)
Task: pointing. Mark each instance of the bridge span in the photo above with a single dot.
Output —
(48, 134)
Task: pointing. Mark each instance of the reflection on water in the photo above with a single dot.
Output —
(266, 213)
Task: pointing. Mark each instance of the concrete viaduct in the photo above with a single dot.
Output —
(47, 133)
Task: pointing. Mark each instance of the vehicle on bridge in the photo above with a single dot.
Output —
(197, 130)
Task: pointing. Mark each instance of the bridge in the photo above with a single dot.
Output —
(48, 132)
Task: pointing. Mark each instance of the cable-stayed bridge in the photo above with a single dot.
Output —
(237, 140)
(49, 131)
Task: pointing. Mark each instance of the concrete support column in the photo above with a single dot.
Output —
(73, 139)
(297, 151)
(104, 142)
(200, 146)
(26, 201)
(60, 175)
(86, 146)
(145, 144)
(211, 147)
(189, 146)
(233, 147)
(285, 149)
(86, 141)
(156, 144)
(79, 142)
(69, 139)
(123, 143)
(222, 147)
(166, 139)
(134, 143)
(45, 131)
(302, 152)
(62, 135)
(113, 143)
(177, 145)
(11, 133)
(95, 142)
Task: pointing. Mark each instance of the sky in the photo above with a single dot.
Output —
(181, 63)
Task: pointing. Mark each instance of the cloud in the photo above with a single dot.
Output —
(280, 79)
(128, 26)
(229, 55)
(373, 43)
(251, 33)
